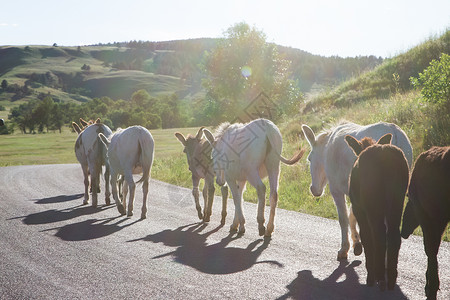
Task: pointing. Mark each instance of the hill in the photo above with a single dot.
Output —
(116, 70)
(390, 77)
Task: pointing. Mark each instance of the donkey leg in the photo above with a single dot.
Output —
(132, 188)
(339, 200)
(107, 191)
(432, 241)
(357, 246)
(379, 242)
(144, 199)
(115, 194)
(95, 176)
(236, 191)
(196, 194)
(273, 174)
(210, 197)
(224, 191)
(393, 247)
(86, 183)
(256, 181)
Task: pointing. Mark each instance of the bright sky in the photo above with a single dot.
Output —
(324, 27)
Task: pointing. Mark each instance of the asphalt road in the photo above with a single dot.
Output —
(52, 247)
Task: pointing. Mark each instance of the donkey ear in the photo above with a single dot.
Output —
(354, 144)
(200, 133)
(209, 136)
(98, 121)
(309, 134)
(83, 122)
(76, 127)
(104, 140)
(385, 139)
(181, 138)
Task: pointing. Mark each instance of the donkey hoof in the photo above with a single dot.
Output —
(357, 249)
(130, 214)
(206, 219)
(121, 209)
(241, 230)
(85, 201)
(200, 215)
(262, 230)
(222, 222)
(342, 255)
(233, 229)
(143, 216)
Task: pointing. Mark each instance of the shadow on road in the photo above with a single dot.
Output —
(92, 229)
(58, 199)
(343, 283)
(53, 215)
(216, 258)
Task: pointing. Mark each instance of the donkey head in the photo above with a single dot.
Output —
(316, 159)
(191, 146)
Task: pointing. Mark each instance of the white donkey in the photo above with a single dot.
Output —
(91, 154)
(250, 152)
(331, 160)
(130, 150)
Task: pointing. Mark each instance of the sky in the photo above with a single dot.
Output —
(346, 28)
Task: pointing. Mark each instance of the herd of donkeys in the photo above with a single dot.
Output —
(370, 164)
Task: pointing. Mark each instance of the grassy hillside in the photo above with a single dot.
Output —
(390, 77)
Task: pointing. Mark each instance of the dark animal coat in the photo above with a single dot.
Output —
(377, 188)
(429, 207)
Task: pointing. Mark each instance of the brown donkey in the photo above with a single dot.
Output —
(429, 207)
(377, 188)
(198, 153)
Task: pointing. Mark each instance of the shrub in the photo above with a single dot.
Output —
(435, 82)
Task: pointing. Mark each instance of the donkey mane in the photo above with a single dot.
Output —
(222, 128)
(332, 127)
(367, 142)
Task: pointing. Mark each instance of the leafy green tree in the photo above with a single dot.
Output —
(435, 81)
(242, 66)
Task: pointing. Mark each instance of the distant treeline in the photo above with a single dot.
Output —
(184, 58)
(44, 114)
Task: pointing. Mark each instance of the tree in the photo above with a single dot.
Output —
(435, 81)
(242, 66)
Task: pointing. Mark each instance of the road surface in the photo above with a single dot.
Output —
(53, 247)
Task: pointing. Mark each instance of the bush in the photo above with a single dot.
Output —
(435, 82)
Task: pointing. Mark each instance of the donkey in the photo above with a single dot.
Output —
(377, 188)
(91, 155)
(249, 152)
(429, 207)
(130, 150)
(331, 161)
(198, 153)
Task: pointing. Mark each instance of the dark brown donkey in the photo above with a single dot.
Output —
(377, 189)
(429, 207)
(198, 152)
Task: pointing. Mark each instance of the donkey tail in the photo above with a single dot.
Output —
(146, 152)
(275, 140)
(294, 159)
